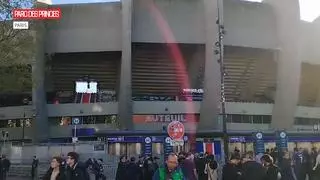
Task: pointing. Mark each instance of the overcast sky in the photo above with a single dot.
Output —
(79, 1)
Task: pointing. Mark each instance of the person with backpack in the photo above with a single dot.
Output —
(170, 171)
(211, 168)
(272, 171)
(76, 170)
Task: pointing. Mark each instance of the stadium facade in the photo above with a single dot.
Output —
(143, 55)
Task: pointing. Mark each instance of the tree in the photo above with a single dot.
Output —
(16, 50)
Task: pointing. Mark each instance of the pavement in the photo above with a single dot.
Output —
(17, 178)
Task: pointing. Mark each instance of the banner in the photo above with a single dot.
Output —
(259, 143)
(147, 146)
(161, 118)
(167, 147)
(282, 140)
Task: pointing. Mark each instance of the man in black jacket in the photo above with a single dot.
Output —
(251, 170)
(5, 166)
(231, 171)
(76, 170)
(34, 167)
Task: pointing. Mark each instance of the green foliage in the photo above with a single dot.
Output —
(17, 50)
(19, 81)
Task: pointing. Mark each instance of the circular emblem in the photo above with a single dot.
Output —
(259, 135)
(168, 140)
(283, 134)
(175, 130)
(76, 121)
(185, 138)
(147, 140)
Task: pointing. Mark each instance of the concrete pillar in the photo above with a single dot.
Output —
(40, 125)
(211, 99)
(289, 62)
(125, 89)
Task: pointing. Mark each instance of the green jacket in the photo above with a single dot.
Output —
(161, 174)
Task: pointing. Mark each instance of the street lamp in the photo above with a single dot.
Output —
(5, 136)
(219, 51)
(25, 102)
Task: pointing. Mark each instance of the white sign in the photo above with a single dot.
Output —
(259, 135)
(76, 121)
(147, 140)
(185, 138)
(177, 143)
(74, 139)
(168, 140)
(86, 87)
(283, 134)
(20, 25)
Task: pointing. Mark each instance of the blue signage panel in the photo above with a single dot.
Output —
(259, 142)
(167, 147)
(282, 140)
(239, 139)
(148, 146)
(84, 132)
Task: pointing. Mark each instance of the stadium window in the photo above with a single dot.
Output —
(246, 119)
(236, 118)
(229, 118)
(266, 119)
(88, 119)
(257, 119)
(4, 123)
(302, 121)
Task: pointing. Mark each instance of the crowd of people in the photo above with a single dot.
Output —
(182, 166)
(70, 168)
(273, 165)
(270, 165)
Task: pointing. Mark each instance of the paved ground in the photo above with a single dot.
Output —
(17, 178)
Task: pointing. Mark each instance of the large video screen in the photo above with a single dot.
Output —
(86, 87)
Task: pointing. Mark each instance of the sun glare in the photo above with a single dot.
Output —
(309, 10)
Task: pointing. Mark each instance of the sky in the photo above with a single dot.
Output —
(80, 1)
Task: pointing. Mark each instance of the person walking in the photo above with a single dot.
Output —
(211, 168)
(287, 172)
(251, 169)
(76, 170)
(133, 169)
(122, 169)
(170, 171)
(272, 171)
(316, 168)
(34, 167)
(56, 170)
(230, 170)
(5, 164)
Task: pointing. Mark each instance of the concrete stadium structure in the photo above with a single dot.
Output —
(271, 61)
